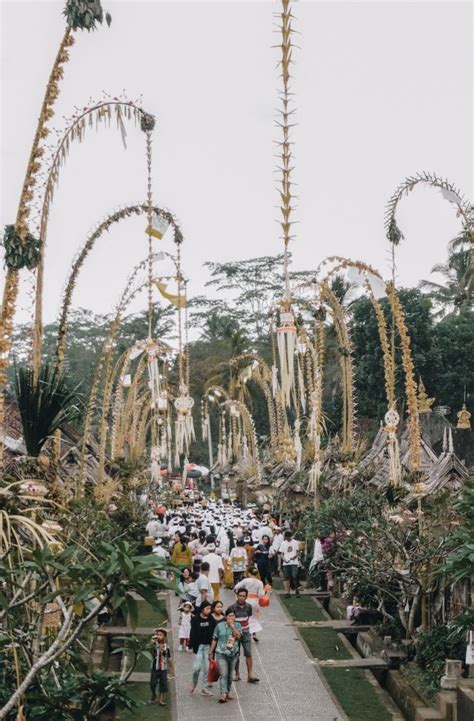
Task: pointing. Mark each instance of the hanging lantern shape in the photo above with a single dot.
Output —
(286, 343)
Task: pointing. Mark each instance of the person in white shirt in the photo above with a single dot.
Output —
(161, 552)
(314, 566)
(204, 587)
(275, 548)
(152, 527)
(238, 561)
(264, 530)
(216, 570)
(289, 554)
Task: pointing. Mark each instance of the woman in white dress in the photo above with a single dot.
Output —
(255, 591)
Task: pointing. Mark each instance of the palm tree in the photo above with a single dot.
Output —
(455, 293)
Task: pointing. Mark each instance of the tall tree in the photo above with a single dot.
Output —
(455, 292)
(370, 384)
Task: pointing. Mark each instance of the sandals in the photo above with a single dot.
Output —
(223, 699)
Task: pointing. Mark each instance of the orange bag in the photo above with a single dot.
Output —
(264, 601)
(213, 673)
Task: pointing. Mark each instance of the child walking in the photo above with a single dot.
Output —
(185, 615)
(160, 664)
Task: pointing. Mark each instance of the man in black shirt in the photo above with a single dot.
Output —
(202, 628)
(243, 611)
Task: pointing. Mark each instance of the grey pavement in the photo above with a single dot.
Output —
(290, 688)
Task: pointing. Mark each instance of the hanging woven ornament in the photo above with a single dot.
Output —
(162, 426)
(170, 445)
(153, 373)
(224, 441)
(274, 381)
(314, 477)
(204, 421)
(297, 444)
(392, 419)
(184, 422)
(301, 385)
(286, 343)
(155, 465)
(245, 448)
(314, 434)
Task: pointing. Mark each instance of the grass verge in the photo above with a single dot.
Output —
(145, 712)
(350, 686)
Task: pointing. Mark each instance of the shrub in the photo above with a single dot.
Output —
(433, 647)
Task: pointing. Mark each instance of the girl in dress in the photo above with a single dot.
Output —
(255, 591)
(184, 625)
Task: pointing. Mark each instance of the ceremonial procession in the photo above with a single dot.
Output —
(236, 360)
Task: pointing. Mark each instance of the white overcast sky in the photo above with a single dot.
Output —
(383, 89)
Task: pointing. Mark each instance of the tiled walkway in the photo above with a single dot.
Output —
(290, 688)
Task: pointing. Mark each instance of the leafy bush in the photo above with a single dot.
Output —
(45, 405)
(434, 646)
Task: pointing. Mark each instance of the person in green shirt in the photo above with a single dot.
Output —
(225, 645)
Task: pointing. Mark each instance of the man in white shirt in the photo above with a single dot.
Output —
(289, 553)
(216, 570)
(161, 552)
(265, 530)
(204, 587)
(275, 548)
(152, 527)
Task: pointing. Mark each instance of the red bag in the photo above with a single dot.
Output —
(213, 673)
(264, 601)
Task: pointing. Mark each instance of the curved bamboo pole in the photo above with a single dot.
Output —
(100, 112)
(410, 382)
(108, 382)
(347, 371)
(388, 356)
(10, 292)
(107, 351)
(251, 433)
(116, 217)
(449, 191)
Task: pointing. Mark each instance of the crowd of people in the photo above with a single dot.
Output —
(216, 545)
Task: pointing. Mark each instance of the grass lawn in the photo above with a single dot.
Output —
(148, 617)
(356, 695)
(324, 643)
(141, 693)
(303, 608)
(350, 686)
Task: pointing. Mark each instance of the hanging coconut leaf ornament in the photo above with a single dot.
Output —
(147, 122)
(286, 343)
(20, 252)
(184, 427)
(85, 14)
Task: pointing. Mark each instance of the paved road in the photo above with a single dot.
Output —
(290, 688)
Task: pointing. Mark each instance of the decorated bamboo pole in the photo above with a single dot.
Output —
(93, 116)
(286, 329)
(449, 192)
(410, 382)
(22, 248)
(348, 413)
(373, 282)
(107, 349)
(104, 226)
